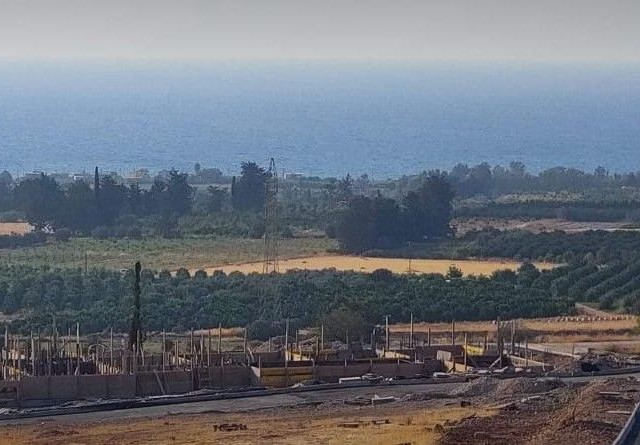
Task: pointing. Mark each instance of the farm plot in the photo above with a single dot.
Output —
(369, 264)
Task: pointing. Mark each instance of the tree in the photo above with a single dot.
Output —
(345, 188)
(343, 323)
(356, 229)
(111, 199)
(215, 199)
(79, 210)
(386, 220)
(248, 193)
(6, 183)
(454, 273)
(428, 211)
(41, 199)
(179, 194)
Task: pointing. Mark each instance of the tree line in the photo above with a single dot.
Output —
(423, 214)
(101, 299)
(82, 207)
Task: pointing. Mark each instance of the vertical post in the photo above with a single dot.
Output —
(5, 354)
(138, 349)
(111, 350)
(286, 353)
(513, 336)
(486, 339)
(164, 351)
(465, 351)
(526, 352)
(373, 335)
(499, 340)
(50, 354)
(78, 347)
(33, 355)
(19, 349)
(191, 352)
(244, 344)
(69, 352)
(38, 353)
(411, 333)
(286, 343)
(322, 337)
(219, 338)
(453, 332)
(209, 347)
(386, 331)
(201, 359)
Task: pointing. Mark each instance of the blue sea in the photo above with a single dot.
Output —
(316, 118)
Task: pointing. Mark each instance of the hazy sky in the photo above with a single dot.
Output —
(553, 30)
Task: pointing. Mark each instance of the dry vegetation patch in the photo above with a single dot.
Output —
(13, 228)
(369, 264)
(391, 424)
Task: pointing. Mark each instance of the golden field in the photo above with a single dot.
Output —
(369, 264)
(20, 228)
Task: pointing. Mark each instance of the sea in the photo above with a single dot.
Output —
(316, 118)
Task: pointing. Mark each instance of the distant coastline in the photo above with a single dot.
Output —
(318, 119)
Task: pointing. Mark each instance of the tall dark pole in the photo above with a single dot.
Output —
(96, 195)
(135, 322)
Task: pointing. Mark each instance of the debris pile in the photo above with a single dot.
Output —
(598, 361)
(551, 413)
(529, 386)
(478, 387)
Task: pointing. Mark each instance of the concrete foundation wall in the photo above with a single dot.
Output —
(8, 390)
(281, 377)
(93, 386)
(67, 388)
(121, 386)
(34, 388)
(233, 376)
(175, 382)
(76, 387)
(332, 373)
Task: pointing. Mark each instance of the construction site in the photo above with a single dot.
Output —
(410, 384)
(493, 382)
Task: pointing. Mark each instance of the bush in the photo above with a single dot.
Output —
(183, 274)
(101, 232)
(63, 234)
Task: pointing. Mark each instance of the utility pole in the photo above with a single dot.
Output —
(411, 333)
(386, 332)
(453, 332)
(286, 343)
(111, 351)
(135, 322)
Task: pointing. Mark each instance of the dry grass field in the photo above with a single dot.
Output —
(306, 425)
(159, 254)
(569, 331)
(369, 264)
(7, 228)
(465, 225)
(549, 325)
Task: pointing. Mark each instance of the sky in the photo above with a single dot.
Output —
(458, 30)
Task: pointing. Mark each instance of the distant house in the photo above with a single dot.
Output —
(33, 175)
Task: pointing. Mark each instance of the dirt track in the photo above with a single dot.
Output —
(508, 412)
